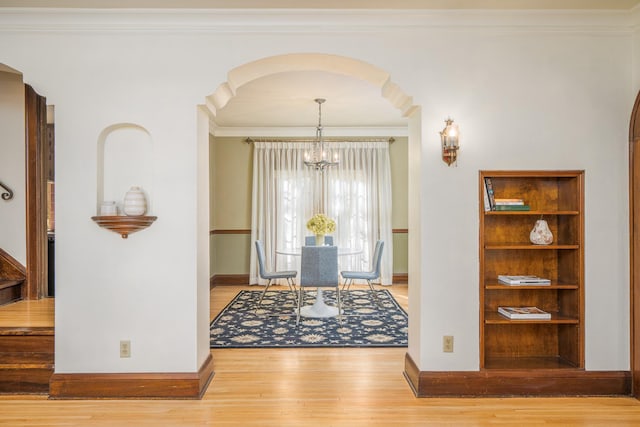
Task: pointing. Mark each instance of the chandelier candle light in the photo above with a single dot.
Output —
(320, 157)
(320, 224)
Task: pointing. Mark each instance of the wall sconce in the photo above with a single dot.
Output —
(450, 137)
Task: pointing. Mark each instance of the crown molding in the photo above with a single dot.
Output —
(309, 21)
(302, 132)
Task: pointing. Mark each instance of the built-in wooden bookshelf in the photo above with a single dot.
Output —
(505, 249)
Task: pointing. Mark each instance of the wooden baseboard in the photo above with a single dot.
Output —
(560, 382)
(229, 279)
(133, 385)
(400, 278)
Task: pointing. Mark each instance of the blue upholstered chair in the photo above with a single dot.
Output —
(319, 269)
(311, 240)
(270, 276)
(374, 274)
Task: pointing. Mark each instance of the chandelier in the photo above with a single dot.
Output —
(319, 157)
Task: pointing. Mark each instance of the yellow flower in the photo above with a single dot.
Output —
(321, 224)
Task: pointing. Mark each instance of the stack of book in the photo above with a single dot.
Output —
(511, 205)
(523, 280)
(492, 203)
(524, 313)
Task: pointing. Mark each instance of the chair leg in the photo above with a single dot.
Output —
(347, 285)
(262, 295)
(339, 305)
(292, 286)
(300, 296)
(373, 293)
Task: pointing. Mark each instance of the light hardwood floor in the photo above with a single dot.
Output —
(316, 387)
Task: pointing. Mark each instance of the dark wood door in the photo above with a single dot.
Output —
(36, 184)
(634, 228)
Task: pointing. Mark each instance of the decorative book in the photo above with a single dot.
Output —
(509, 202)
(512, 208)
(524, 313)
(523, 280)
(489, 187)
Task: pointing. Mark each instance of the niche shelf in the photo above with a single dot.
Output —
(125, 153)
(124, 225)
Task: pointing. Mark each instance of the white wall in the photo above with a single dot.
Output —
(529, 91)
(13, 225)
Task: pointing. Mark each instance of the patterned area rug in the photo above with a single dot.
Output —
(364, 324)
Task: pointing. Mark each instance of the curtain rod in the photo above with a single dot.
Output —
(250, 140)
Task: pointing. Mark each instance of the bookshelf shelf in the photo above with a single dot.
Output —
(495, 318)
(505, 249)
(534, 213)
(528, 247)
(552, 286)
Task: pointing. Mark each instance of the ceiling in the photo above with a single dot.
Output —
(286, 100)
(329, 4)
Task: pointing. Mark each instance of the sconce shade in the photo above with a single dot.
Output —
(450, 138)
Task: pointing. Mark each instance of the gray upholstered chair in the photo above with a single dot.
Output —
(270, 276)
(319, 269)
(311, 240)
(349, 276)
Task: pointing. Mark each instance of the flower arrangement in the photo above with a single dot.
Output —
(321, 224)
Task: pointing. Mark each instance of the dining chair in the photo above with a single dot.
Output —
(311, 240)
(270, 276)
(374, 274)
(319, 269)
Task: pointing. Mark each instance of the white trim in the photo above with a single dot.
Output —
(301, 132)
(309, 21)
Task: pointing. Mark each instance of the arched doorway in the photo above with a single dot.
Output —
(360, 72)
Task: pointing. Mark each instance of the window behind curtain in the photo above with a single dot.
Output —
(356, 193)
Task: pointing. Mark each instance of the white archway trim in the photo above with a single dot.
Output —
(254, 70)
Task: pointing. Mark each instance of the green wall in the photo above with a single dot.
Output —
(231, 179)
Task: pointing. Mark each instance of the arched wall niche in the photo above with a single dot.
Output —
(125, 154)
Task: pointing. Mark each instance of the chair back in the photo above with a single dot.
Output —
(377, 257)
(311, 240)
(261, 262)
(319, 266)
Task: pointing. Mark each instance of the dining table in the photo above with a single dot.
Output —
(319, 309)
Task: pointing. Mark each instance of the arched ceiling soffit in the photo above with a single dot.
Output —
(279, 91)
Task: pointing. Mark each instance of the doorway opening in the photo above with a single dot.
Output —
(236, 110)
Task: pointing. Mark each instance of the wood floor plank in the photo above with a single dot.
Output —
(316, 387)
(28, 314)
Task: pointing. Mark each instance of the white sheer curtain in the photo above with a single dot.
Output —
(359, 198)
(356, 194)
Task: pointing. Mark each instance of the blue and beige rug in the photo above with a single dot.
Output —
(364, 324)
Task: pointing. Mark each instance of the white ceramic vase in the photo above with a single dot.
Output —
(135, 203)
(541, 235)
(108, 208)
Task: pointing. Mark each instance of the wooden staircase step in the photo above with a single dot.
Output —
(7, 283)
(26, 359)
(10, 290)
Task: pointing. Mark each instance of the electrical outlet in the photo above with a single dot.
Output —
(447, 343)
(125, 348)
